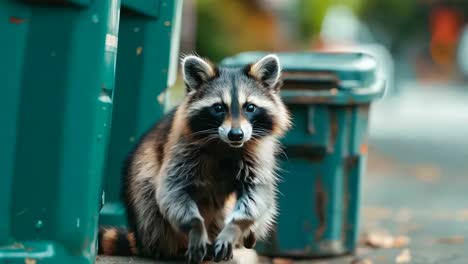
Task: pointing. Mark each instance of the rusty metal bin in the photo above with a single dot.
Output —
(329, 95)
(57, 72)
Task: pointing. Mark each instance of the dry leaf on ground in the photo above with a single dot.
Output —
(383, 239)
(361, 261)
(282, 261)
(403, 257)
(451, 240)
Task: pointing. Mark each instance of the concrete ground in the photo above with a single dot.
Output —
(415, 192)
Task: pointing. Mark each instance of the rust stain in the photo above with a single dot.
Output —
(333, 130)
(18, 20)
(306, 152)
(320, 202)
(310, 120)
(350, 163)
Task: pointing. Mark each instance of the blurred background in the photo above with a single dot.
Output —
(415, 188)
(421, 40)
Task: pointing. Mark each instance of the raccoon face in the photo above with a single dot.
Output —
(234, 105)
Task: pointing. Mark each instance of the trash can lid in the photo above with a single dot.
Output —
(352, 76)
(352, 70)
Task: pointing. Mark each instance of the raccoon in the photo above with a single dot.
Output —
(221, 140)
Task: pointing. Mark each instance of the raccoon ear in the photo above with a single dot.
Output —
(196, 71)
(266, 70)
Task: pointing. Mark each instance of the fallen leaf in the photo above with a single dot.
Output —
(426, 173)
(383, 239)
(403, 257)
(282, 261)
(451, 240)
(361, 261)
(400, 241)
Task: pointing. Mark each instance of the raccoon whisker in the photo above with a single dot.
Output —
(282, 153)
(202, 141)
(206, 131)
(260, 130)
(207, 136)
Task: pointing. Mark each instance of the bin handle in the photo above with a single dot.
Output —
(299, 80)
(335, 95)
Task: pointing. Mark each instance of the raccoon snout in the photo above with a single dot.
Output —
(236, 134)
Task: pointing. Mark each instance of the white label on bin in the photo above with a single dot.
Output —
(111, 41)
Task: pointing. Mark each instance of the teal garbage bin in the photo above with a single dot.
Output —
(147, 63)
(57, 73)
(329, 95)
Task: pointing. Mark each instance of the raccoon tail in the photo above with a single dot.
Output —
(117, 242)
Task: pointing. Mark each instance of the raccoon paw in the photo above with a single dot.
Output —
(196, 252)
(222, 250)
(209, 256)
(250, 240)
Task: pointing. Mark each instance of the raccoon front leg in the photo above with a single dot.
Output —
(183, 214)
(255, 203)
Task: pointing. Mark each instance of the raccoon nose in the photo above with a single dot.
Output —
(236, 134)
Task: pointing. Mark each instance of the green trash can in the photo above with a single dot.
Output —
(57, 72)
(148, 56)
(328, 95)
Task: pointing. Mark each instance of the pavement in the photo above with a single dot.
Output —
(415, 191)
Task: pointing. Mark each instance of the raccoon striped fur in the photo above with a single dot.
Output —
(222, 139)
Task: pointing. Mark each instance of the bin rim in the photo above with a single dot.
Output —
(335, 96)
(357, 79)
(366, 61)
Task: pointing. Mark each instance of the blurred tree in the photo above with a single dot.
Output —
(399, 20)
(406, 20)
(312, 12)
(226, 27)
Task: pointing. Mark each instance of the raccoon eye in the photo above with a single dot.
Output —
(250, 108)
(218, 108)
